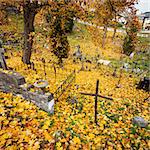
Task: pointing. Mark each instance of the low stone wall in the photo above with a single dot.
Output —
(12, 82)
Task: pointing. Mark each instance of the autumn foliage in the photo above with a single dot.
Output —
(50, 39)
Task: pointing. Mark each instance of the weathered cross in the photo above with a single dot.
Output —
(2, 59)
(96, 96)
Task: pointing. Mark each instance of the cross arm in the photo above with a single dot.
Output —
(90, 94)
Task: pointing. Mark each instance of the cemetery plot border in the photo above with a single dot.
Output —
(13, 83)
(45, 67)
(62, 88)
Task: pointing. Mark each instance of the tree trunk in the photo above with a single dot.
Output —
(113, 37)
(104, 36)
(29, 15)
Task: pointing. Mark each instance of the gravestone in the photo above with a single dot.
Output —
(13, 78)
(131, 55)
(10, 82)
(78, 53)
(103, 62)
(2, 58)
(144, 84)
(126, 66)
(140, 121)
(136, 70)
(13, 82)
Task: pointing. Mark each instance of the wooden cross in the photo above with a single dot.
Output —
(2, 59)
(96, 96)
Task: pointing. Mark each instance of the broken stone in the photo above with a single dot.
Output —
(144, 84)
(45, 102)
(2, 59)
(20, 80)
(11, 80)
(140, 121)
(41, 84)
(103, 62)
(131, 55)
(136, 70)
(51, 106)
(13, 83)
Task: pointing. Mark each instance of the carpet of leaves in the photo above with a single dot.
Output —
(25, 126)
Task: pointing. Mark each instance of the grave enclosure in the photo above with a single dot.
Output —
(13, 82)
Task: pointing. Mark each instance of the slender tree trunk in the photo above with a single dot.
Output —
(113, 37)
(143, 22)
(29, 15)
(104, 35)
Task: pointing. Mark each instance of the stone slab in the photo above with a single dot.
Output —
(13, 83)
(14, 79)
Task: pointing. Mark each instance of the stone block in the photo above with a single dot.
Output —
(140, 121)
(14, 79)
(45, 102)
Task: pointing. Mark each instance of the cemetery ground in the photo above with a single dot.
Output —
(25, 126)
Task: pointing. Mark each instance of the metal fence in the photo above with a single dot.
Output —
(46, 68)
(63, 87)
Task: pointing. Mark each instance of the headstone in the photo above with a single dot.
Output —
(15, 83)
(136, 70)
(43, 101)
(103, 62)
(78, 53)
(51, 106)
(126, 66)
(2, 59)
(11, 82)
(140, 121)
(20, 80)
(144, 84)
(13, 79)
(131, 55)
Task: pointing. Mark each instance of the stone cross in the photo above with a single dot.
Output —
(2, 59)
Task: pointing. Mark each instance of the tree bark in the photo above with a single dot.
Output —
(29, 15)
(113, 37)
(104, 35)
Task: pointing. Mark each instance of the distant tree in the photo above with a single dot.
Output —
(60, 19)
(107, 11)
(132, 28)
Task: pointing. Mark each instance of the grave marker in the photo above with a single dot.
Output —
(96, 96)
(2, 59)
